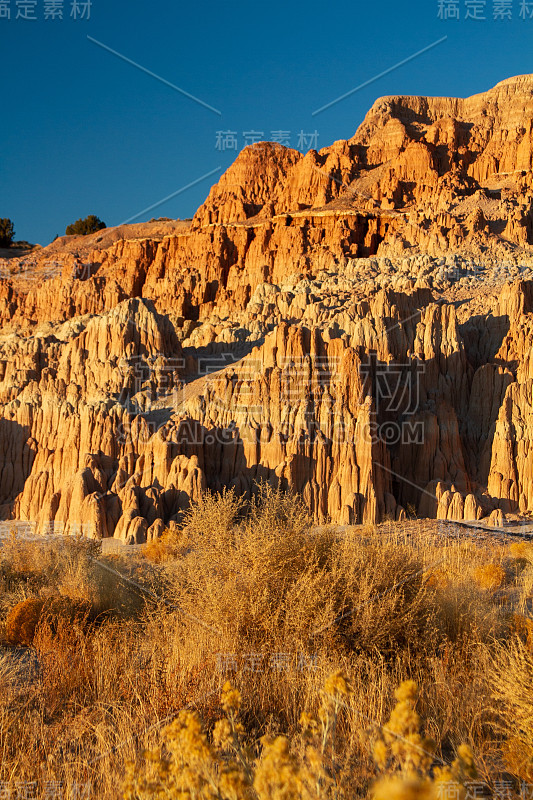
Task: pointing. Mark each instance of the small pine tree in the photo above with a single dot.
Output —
(82, 227)
(7, 232)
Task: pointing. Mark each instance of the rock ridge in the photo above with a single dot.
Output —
(354, 324)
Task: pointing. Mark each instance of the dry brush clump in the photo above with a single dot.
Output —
(73, 568)
(43, 569)
(259, 596)
(167, 547)
(24, 619)
(271, 580)
(490, 576)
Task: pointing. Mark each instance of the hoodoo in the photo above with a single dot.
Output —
(354, 324)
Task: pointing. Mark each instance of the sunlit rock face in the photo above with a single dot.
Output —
(353, 324)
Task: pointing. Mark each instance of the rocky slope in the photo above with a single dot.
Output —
(355, 324)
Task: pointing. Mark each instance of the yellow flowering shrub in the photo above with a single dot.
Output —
(405, 757)
(193, 766)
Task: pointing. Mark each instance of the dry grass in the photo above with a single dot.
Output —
(167, 547)
(490, 576)
(267, 601)
(511, 677)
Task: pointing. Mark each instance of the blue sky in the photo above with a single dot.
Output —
(82, 131)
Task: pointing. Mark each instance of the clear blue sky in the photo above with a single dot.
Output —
(82, 131)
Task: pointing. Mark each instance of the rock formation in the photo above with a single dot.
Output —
(354, 324)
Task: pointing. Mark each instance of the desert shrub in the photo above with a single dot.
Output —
(490, 576)
(27, 616)
(258, 581)
(255, 582)
(522, 550)
(7, 232)
(271, 582)
(63, 644)
(64, 609)
(119, 587)
(437, 578)
(383, 601)
(82, 227)
(522, 568)
(73, 567)
(213, 513)
(522, 627)
(462, 614)
(167, 547)
(518, 757)
(274, 509)
(22, 621)
(66, 563)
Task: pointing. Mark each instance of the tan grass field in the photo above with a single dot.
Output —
(262, 599)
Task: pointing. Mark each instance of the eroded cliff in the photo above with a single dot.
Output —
(354, 324)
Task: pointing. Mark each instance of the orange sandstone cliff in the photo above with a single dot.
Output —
(355, 324)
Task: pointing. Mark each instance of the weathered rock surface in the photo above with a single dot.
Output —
(355, 324)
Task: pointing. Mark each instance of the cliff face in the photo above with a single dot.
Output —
(355, 324)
